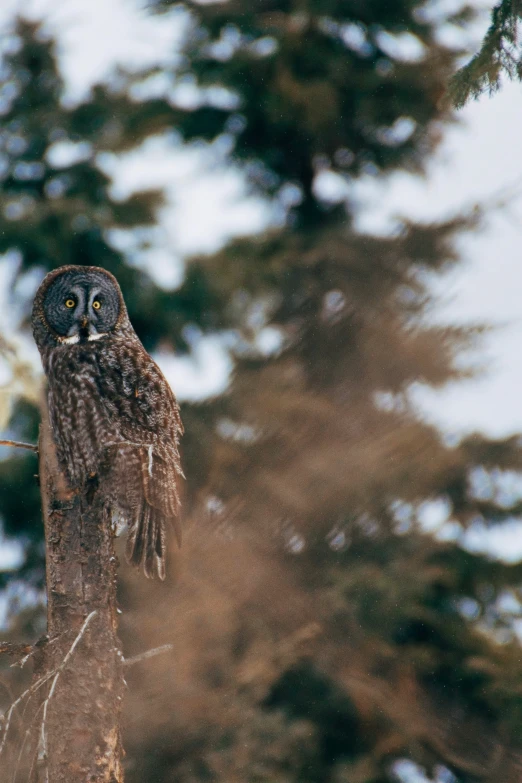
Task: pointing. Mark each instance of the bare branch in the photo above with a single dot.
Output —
(12, 648)
(24, 649)
(147, 654)
(18, 445)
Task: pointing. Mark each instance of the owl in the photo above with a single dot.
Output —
(113, 417)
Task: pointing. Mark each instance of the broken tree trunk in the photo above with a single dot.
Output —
(77, 731)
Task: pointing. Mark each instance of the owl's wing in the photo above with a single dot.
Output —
(145, 470)
(148, 499)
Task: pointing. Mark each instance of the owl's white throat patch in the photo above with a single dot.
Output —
(75, 338)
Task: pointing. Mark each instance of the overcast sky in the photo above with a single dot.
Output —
(480, 160)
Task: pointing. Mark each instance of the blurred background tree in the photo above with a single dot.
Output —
(326, 623)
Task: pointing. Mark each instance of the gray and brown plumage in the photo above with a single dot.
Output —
(113, 416)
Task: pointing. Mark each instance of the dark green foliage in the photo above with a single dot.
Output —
(319, 632)
(55, 214)
(498, 55)
(20, 493)
(307, 97)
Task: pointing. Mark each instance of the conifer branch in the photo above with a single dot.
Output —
(497, 55)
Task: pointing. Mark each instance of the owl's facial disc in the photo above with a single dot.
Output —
(81, 306)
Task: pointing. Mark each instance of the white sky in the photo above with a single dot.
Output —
(479, 161)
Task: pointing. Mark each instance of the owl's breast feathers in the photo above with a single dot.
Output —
(114, 415)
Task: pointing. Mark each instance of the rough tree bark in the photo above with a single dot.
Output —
(78, 727)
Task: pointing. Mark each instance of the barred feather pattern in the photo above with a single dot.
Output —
(116, 423)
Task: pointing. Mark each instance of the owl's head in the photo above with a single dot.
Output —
(78, 304)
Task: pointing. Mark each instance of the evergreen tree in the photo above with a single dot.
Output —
(319, 632)
(499, 54)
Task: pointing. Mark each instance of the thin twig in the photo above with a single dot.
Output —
(33, 649)
(27, 650)
(8, 690)
(22, 748)
(12, 648)
(147, 654)
(28, 692)
(21, 663)
(32, 767)
(26, 736)
(18, 445)
(42, 749)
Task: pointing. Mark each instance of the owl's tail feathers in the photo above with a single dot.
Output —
(147, 542)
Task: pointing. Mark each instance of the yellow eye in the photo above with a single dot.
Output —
(70, 303)
(96, 304)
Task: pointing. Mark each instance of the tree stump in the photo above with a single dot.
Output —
(78, 735)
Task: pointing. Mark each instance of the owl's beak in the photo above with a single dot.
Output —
(85, 328)
(87, 331)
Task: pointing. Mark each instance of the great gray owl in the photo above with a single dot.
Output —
(113, 416)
